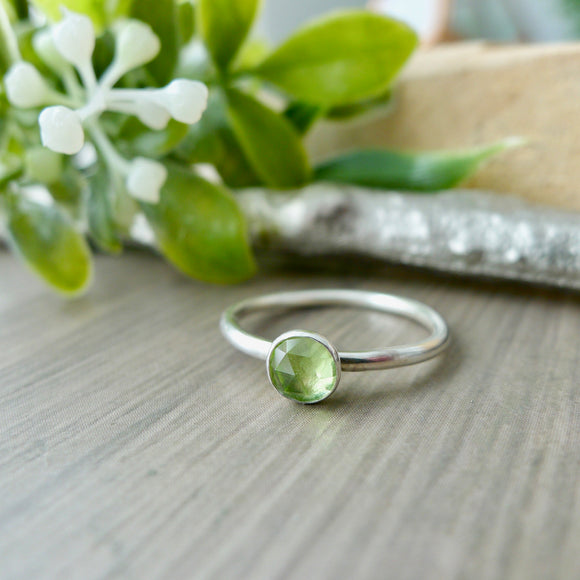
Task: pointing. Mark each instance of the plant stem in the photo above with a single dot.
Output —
(9, 52)
(124, 207)
(117, 164)
(71, 84)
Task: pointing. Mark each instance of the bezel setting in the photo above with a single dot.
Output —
(318, 338)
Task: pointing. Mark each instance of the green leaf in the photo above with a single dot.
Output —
(346, 112)
(43, 165)
(11, 166)
(21, 7)
(213, 141)
(224, 26)
(102, 227)
(11, 149)
(303, 116)
(69, 190)
(142, 141)
(104, 52)
(101, 12)
(17, 9)
(571, 11)
(270, 142)
(253, 52)
(119, 8)
(200, 229)
(432, 171)
(186, 19)
(96, 10)
(162, 16)
(340, 59)
(48, 242)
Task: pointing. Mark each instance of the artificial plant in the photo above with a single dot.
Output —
(109, 108)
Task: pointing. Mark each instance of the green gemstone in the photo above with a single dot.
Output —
(302, 369)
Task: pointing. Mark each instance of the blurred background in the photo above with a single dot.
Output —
(441, 20)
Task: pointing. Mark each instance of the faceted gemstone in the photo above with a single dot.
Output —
(302, 369)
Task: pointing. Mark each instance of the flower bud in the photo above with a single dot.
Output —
(25, 86)
(185, 100)
(145, 180)
(46, 51)
(152, 115)
(61, 130)
(74, 38)
(137, 45)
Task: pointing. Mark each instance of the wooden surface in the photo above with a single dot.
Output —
(457, 95)
(136, 444)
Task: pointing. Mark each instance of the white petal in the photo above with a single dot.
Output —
(185, 100)
(145, 180)
(74, 38)
(61, 130)
(25, 86)
(137, 45)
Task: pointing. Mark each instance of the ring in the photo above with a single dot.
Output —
(304, 366)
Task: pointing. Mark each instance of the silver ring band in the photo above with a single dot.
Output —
(376, 359)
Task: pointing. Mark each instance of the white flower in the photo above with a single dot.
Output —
(61, 130)
(185, 100)
(150, 114)
(25, 86)
(145, 180)
(74, 38)
(46, 50)
(137, 45)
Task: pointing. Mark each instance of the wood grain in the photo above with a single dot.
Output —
(136, 444)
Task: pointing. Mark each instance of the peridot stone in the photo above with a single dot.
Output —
(303, 369)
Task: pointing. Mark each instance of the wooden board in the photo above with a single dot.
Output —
(464, 94)
(136, 444)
